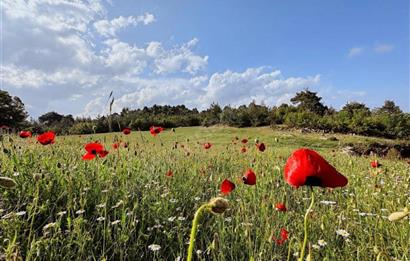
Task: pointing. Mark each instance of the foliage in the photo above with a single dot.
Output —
(12, 111)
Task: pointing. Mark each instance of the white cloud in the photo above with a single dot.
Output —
(383, 48)
(109, 28)
(355, 51)
(52, 60)
(233, 88)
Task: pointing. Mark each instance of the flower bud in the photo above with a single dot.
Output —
(6, 182)
(218, 205)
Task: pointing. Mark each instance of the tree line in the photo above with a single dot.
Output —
(306, 111)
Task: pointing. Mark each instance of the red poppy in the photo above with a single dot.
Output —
(375, 164)
(261, 147)
(207, 145)
(47, 138)
(284, 235)
(281, 207)
(169, 173)
(249, 178)
(307, 167)
(94, 149)
(155, 130)
(244, 141)
(116, 145)
(243, 149)
(25, 134)
(227, 187)
(126, 131)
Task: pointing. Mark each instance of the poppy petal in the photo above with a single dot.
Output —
(88, 156)
(227, 187)
(307, 167)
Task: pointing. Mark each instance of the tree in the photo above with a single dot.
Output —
(50, 118)
(352, 108)
(309, 101)
(12, 111)
(389, 107)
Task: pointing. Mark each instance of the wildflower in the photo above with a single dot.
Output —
(169, 173)
(154, 247)
(307, 167)
(249, 178)
(343, 233)
(126, 131)
(155, 130)
(61, 213)
(79, 212)
(243, 149)
(47, 138)
(261, 147)
(321, 243)
(25, 134)
(327, 202)
(171, 219)
(94, 149)
(21, 213)
(49, 225)
(280, 207)
(244, 141)
(102, 205)
(99, 219)
(116, 145)
(314, 246)
(375, 164)
(207, 145)
(181, 218)
(227, 187)
(115, 222)
(284, 235)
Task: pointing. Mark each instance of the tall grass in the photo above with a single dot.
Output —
(124, 207)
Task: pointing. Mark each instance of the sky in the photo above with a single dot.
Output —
(67, 56)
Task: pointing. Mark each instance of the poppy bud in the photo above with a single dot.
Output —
(218, 205)
(6, 182)
(396, 216)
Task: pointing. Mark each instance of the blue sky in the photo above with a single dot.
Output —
(198, 52)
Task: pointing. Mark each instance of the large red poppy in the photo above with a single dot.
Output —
(227, 187)
(261, 147)
(126, 131)
(155, 130)
(207, 145)
(25, 134)
(249, 178)
(47, 138)
(94, 149)
(307, 167)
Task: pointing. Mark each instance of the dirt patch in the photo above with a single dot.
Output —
(379, 149)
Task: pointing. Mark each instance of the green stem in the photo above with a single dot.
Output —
(194, 230)
(305, 225)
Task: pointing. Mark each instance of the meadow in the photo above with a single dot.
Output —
(138, 202)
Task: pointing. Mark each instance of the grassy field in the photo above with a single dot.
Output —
(125, 207)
